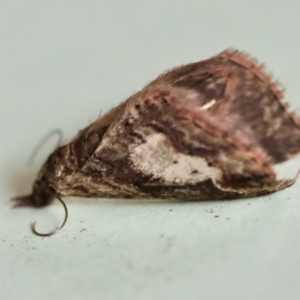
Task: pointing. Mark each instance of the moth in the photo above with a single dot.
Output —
(208, 130)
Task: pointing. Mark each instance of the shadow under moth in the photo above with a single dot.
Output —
(208, 130)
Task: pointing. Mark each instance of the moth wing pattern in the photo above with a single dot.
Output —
(194, 133)
(247, 100)
(208, 130)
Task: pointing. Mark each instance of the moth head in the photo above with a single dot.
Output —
(45, 186)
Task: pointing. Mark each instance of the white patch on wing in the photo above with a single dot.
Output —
(158, 158)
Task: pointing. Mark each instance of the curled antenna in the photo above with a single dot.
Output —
(58, 228)
(37, 148)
